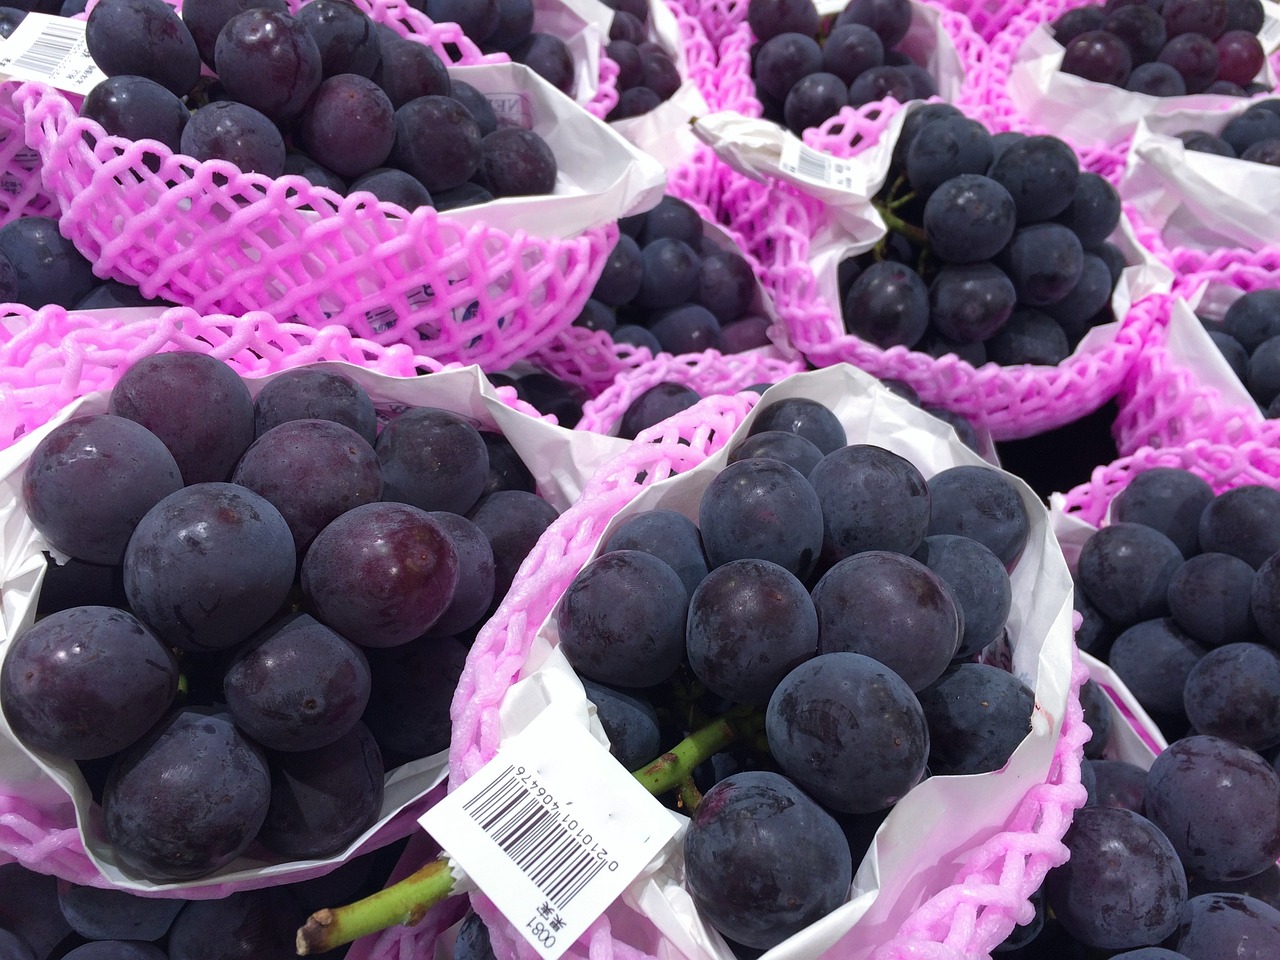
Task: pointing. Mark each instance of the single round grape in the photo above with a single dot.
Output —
(515, 22)
(979, 502)
(10, 17)
(1240, 56)
(620, 280)
(348, 124)
(923, 85)
(1125, 569)
(671, 537)
(548, 56)
(515, 162)
(1222, 926)
(978, 582)
(437, 141)
(1244, 522)
(389, 185)
(888, 305)
(413, 685)
(634, 103)
(1244, 15)
(1094, 211)
(206, 18)
(1168, 499)
(1207, 17)
(688, 328)
(1045, 262)
(137, 109)
(672, 218)
(1042, 175)
(477, 18)
(308, 393)
(947, 148)
(145, 38)
(45, 266)
(969, 302)
(408, 71)
(1153, 658)
(433, 459)
(726, 285)
(1157, 80)
(1209, 597)
(768, 18)
(476, 574)
(1233, 692)
(813, 99)
(1029, 337)
(671, 272)
(1118, 784)
(318, 175)
(977, 715)
(917, 121)
(630, 723)
(871, 499)
(1141, 28)
(239, 134)
(1097, 716)
(29, 909)
(1264, 151)
(851, 49)
(881, 83)
(108, 914)
(792, 449)
(890, 19)
(1253, 125)
(969, 218)
(1251, 319)
(803, 417)
(345, 36)
(1098, 56)
(1076, 21)
(1194, 57)
(656, 404)
(749, 333)
(1090, 295)
(268, 61)
(476, 102)
(512, 521)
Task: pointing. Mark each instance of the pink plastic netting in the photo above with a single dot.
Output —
(207, 236)
(21, 192)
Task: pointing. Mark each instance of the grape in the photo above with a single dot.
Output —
(1226, 88)
(969, 218)
(549, 394)
(477, 18)
(880, 83)
(1098, 56)
(1094, 211)
(473, 940)
(768, 18)
(91, 480)
(850, 50)
(1115, 901)
(969, 302)
(726, 285)
(146, 38)
(1209, 597)
(477, 103)
(1233, 692)
(10, 17)
(1119, 784)
(978, 583)
(249, 925)
(661, 75)
(1029, 336)
(548, 56)
(965, 431)
(671, 537)
(381, 574)
(1076, 21)
(848, 730)
(475, 591)
(1264, 151)
(981, 503)
(297, 686)
(922, 85)
(413, 685)
(630, 723)
(620, 280)
(792, 449)
(466, 194)
(750, 622)
(46, 266)
(1251, 319)
(268, 61)
(783, 60)
(1153, 658)
(1240, 56)
(1251, 126)
(813, 99)
(390, 185)
(137, 109)
(888, 305)
(348, 124)
(408, 71)
(1194, 57)
(516, 163)
(890, 19)
(1113, 257)
(300, 165)
(515, 22)
(1208, 17)
(432, 459)
(1141, 28)
(1232, 352)
(29, 909)
(1125, 569)
(626, 54)
(323, 799)
(1042, 175)
(1157, 80)
(115, 950)
(622, 620)
(1264, 886)
(344, 35)
(437, 141)
(188, 798)
(806, 418)
(108, 914)
(86, 682)
(206, 18)
(687, 328)
(239, 134)
(947, 148)
(917, 121)
(763, 860)
(12, 946)
(1219, 804)
(1264, 599)
(977, 716)
(307, 393)
(1223, 926)
(633, 103)
(749, 333)
(1091, 294)
(1045, 262)
(671, 273)
(512, 521)
(672, 218)
(1244, 15)
(656, 404)
(1244, 522)
(1168, 499)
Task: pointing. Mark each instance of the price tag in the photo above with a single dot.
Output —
(552, 830)
(813, 166)
(50, 50)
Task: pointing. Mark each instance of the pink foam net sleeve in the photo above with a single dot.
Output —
(21, 192)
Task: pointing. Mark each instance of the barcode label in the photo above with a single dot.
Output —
(552, 830)
(811, 166)
(51, 50)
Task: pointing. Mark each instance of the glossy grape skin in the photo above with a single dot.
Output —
(977, 716)
(1041, 173)
(1125, 570)
(86, 682)
(750, 622)
(512, 520)
(1119, 784)
(268, 61)
(413, 685)
(726, 285)
(1194, 57)
(1098, 56)
(656, 404)
(671, 537)
(969, 302)
(1168, 499)
(978, 583)
(146, 38)
(46, 266)
(390, 185)
(761, 509)
(879, 83)
(348, 125)
(1250, 127)
(969, 218)
(813, 99)
(381, 574)
(1045, 262)
(688, 328)
(851, 49)
(1224, 926)
(248, 925)
(206, 18)
(109, 914)
(91, 480)
(620, 279)
(784, 60)
(137, 109)
(768, 18)
(763, 860)
(947, 148)
(630, 722)
(1117, 901)
(1157, 80)
(231, 131)
(515, 162)
(1233, 692)
(474, 595)
(1209, 597)
(890, 19)
(433, 459)
(804, 417)
(437, 141)
(307, 393)
(670, 273)
(792, 449)
(634, 103)
(408, 71)
(1154, 658)
(10, 17)
(622, 620)
(1094, 211)
(981, 503)
(1244, 522)
(344, 35)
(1219, 804)
(888, 305)
(188, 798)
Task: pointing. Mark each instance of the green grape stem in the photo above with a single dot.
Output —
(897, 224)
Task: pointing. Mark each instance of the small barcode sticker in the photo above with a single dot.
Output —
(813, 166)
(552, 830)
(51, 50)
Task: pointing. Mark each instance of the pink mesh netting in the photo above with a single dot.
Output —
(706, 373)
(51, 357)
(21, 193)
(207, 236)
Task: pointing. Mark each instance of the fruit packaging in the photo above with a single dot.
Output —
(21, 192)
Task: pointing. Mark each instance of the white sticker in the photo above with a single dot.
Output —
(1269, 33)
(813, 166)
(50, 50)
(552, 830)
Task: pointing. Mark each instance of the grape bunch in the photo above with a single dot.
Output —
(44, 918)
(1248, 336)
(669, 287)
(647, 75)
(801, 82)
(328, 95)
(761, 632)
(1253, 136)
(268, 607)
(997, 247)
(1166, 48)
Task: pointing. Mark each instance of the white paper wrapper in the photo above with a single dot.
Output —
(1189, 346)
(1088, 113)
(560, 460)
(584, 27)
(922, 843)
(1196, 199)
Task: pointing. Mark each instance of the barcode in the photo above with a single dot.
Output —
(50, 49)
(535, 839)
(813, 166)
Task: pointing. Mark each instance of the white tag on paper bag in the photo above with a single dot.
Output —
(50, 50)
(552, 830)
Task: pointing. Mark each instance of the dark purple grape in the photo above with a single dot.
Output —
(980, 503)
(236, 133)
(29, 909)
(1111, 901)
(890, 19)
(348, 125)
(512, 521)
(790, 448)
(947, 148)
(137, 109)
(515, 162)
(1253, 125)
(1029, 337)
(506, 470)
(671, 537)
(768, 18)
(622, 620)
(1219, 804)
(1076, 21)
(345, 36)
(10, 17)
(1168, 499)
(726, 286)
(1156, 80)
(249, 925)
(1207, 17)
(784, 60)
(1194, 57)
(43, 265)
(848, 730)
(888, 305)
(1094, 211)
(661, 75)
(1222, 926)
(763, 860)
(1233, 692)
(188, 798)
(688, 328)
(880, 83)
(922, 82)
(813, 99)
(1141, 28)
(1209, 595)
(670, 275)
(437, 141)
(466, 194)
(1045, 262)
(806, 418)
(969, 218)
(381, 574)
(318, 175)
(1232, 352)
(477, 103)
(750, 622)
(390, 185)
(1244, 522)
(108, 914)
(477, 18)
(1264, 151)
(475, 591)
(1091, 295)
(268, 61)
(206, 18)
(145, 38)
(977, 715)
(1244, 15)
(308, 393)
(1118, 784)
(656, 404)
(978, 582)
(1252, 318)
(515, 22)
(1098, 56)
(86, 682)
(620, 280)
(917, 121)
(1042, 175)
(408, 71)
(630, 723)
(850, 50)
(626, 55)
(548, 56)
(969, 302)
(871, 499)
(1240, 57)
(1153, 658)
(1097, 716)
(413, 685)
(1225, 88)
(1125, 570)
(634, 103)
(432, 459)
